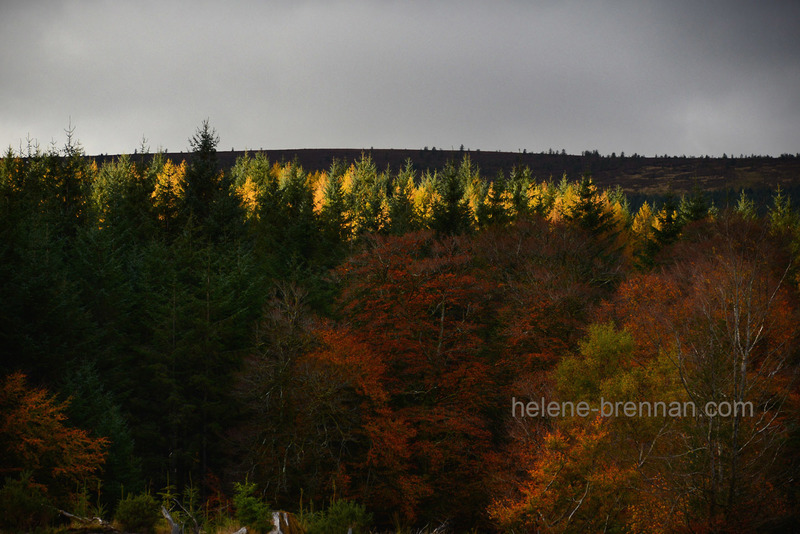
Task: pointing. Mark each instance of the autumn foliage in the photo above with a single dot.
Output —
(35, 437)
(357, 335)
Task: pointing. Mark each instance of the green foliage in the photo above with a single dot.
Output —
(588, 212)
(251, 511)
(201, 183)
(746, 207)
(120, 199)
(93, 407)
(287, 234)
(782, 216)
(334, 218)
(452, 213)
(198, 310)
(665, 231)
(367, 198)
(340, 517)
(494, 211)
(24, 505)
(604, 354)
(694, 207)
(403, 214)
(209, 198)
(137, 513)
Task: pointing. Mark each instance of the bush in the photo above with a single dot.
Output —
(251, 511)
(24, 506)
(137, 513)
(339, 518)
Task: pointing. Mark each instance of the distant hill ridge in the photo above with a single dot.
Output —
(635, 174)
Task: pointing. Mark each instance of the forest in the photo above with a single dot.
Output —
(348, 345)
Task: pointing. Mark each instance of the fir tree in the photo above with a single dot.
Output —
(452, 214)
(403, 214)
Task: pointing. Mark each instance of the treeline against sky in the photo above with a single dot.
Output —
(359, 335)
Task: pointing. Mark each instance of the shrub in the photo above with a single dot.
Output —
(339, 518)
(24, 505)
(137, 513)
(251, 511)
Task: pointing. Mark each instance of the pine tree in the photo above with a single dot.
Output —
(334, 221)
(666, 229)
(781, 215)
(403, 216)
(368, 197)
(496, 212)
(452, 214)
(121, 199)
(210, 200)
(746, 208)
(519, 183)
(201, 184)
(589, 212)
(93, 407)
(694, 207)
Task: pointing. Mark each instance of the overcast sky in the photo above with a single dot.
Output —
(677, 77)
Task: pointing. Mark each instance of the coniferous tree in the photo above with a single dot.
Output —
(403, 214)
(452, 214)
(694, 207)
(93, 407)
(70, 179)
(367, 197)
(168, 196)
(781, 215)
(201, 184)
(334, 220)
(496, 212)
(589, 213)
(287, 230)
(518, 185)
(121, 199)
(666, 230)
(746, 208)
(209, 197)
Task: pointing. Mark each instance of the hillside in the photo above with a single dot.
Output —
(636, 174)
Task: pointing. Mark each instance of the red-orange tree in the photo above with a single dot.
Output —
(724, 315)
(35, 436)
(420, 312)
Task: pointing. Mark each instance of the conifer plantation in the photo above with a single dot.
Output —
(353, 346)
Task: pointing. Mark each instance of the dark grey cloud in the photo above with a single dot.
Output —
(635, 76)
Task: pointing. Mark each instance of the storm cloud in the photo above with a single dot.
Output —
(635, 76)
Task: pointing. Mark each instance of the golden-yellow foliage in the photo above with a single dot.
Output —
(564, 204)
(425, 196)
(643, 222)
(248, 194)
(169, 185)
(316, 182)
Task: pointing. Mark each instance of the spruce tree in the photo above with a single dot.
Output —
(589, 213)
(694, 207)
(403, 214)
(202, 180)
(452, 214)
(209, 197)
(496, 211)
(519, 182)
(334, 218)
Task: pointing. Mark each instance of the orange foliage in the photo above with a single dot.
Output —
(35, 436)
(417, 309)
(575, 484)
